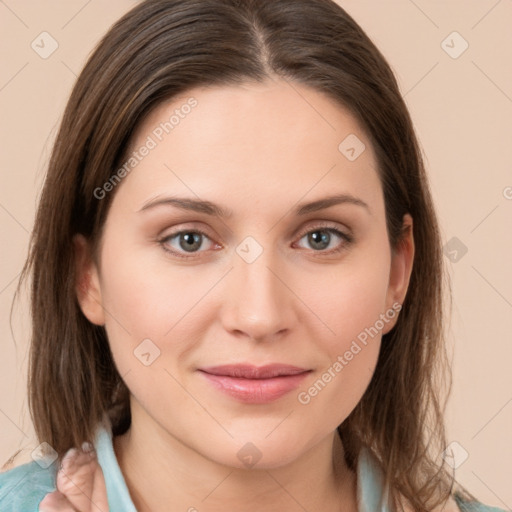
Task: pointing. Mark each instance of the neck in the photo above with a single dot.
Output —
(159, 470)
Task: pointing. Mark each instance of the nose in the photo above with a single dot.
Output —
(258, 303)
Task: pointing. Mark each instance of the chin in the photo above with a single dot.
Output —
(259, 453)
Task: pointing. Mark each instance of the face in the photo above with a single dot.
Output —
(266, 280)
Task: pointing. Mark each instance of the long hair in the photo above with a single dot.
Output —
(158, 50)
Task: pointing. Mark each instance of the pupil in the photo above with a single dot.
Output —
(190, 240)
(323, 239)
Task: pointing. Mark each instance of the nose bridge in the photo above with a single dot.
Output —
(259, 303)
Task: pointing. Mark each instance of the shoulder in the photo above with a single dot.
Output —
(456, 504)
(474, 506)
(23, 487)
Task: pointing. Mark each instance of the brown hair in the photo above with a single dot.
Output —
(162, 48)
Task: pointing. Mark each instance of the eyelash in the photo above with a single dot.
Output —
(348, 239)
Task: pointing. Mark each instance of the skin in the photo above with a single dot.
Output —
(80, 485)
(257, 150)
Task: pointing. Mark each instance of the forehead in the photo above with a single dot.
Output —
(263, 143)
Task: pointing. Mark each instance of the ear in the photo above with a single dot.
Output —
(87, 284)
(402, 258)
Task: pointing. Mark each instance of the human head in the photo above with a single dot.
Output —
(151, 56)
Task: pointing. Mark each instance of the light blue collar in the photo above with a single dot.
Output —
(370, 483)
(369, 477)
(117, 490)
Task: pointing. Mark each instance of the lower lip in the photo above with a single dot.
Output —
(256, 391)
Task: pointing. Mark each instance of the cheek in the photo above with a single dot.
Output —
(351, 301)
(350, 356)
(160, 309)
(151, 328)
(150, 299)
(349, 298)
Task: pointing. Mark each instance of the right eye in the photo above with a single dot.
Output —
(185, 241)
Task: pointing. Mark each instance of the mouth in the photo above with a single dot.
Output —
(248, 371)
(255, 385)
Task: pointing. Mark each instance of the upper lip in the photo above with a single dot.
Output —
(249, 371)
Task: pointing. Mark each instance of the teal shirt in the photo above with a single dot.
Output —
(22, 488)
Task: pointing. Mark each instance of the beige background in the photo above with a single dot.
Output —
(462, 108)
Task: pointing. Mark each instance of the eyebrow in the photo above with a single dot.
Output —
(209, 208)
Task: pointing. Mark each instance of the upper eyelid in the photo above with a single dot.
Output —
(325, 224)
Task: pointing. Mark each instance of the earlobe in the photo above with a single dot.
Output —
(401, 269)
(87, 284)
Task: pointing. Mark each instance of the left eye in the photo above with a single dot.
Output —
(320, 239)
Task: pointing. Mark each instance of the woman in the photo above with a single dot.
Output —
(237, 275)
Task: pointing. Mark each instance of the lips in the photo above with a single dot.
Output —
(255, 385)
(247, 371)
